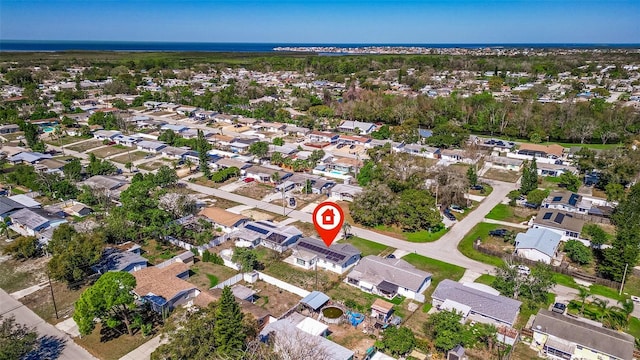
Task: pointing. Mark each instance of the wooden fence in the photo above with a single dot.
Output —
(562, 269)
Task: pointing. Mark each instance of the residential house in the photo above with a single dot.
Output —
(8, 207)
(296, 130)
(381, 310)
(267, 234)
(164, 287)
(27, 157)
(389, 277)
(419, 150)
(504, 163)
(567, 201)
(114, 259)
(476, 302)
(545, 169)
(358, 127)
(104, 182)
(553, 151)
(224, 118)
(223, 219)
(564, 337)
(126, 140)
(226, 163)
(9, 129)
(455, 156)
(289, 337)
(32, 222)
(345, 192)
(153, 147)
(310, 253)
(322, 137)
(49, 166)
(354, 140)
(105, 134)
(538, 245)
(558, 221)
(186, 110)
(78, 209)
(26, 201)
(266, 175)
(175, 153)
(271, 127)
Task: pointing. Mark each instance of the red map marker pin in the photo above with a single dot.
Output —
(328, 218)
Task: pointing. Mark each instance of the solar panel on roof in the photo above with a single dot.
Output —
(330, 255)
(573, 200)
(547, 216)
(557, 198)
(257, 229)
(559, 218)
(278, 238)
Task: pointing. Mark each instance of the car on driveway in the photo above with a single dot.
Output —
(476, 187)
(635, 299)
(248, 180)
(559, 308)
(449, 215)
(499, 232)
(456, 208)
(530, 205)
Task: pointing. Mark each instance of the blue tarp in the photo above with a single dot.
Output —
(315, 300)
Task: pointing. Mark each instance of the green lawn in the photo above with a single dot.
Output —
(500, 212)
(565, 280)
(486, 279)
(213, 280)
(425, 235)
(595, 289)
(634, 327)
(440, 270)
(367, 247)
(466, 245)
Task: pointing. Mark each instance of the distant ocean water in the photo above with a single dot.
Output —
(55, 45)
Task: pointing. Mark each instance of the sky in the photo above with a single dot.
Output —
(328, 21)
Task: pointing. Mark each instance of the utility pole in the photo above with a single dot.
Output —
(55, 308)
(284, 209)
(624, 276)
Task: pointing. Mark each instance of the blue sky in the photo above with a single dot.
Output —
(329, 21)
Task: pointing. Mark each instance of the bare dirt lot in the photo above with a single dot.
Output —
(274, 299)
(85, 146)
(255, 190)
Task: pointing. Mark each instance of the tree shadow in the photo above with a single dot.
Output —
(47, 347)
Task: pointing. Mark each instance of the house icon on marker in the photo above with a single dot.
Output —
(327, 217)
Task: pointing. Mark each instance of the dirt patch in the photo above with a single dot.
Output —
(255, 190)
(109, 150)
(17, 275)
(113, 349)
(355, 339)
(85, 146)
(502, 175)
(41, 302)
(130, 157)
(153, 165)
(219, 202)
(257, 215)
(274, 299)
(203, 271)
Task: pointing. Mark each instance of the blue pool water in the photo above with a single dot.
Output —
(48, 129)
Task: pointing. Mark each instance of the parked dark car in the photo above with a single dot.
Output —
(449, 215)
(340, 146)
(352, 147)
(476, 187)
(499, 232)
(391, 256)
(559, 308)
(530, 205)
(292, 202)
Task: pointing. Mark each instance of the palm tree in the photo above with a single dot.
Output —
(601, 304)
(346, 230)
(129, 165)
(626, 307)
(189, 163)
(4, 226)
(583, 294)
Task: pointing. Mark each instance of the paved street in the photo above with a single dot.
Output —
(53, 340)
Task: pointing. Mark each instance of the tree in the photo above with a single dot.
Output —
(626, 246)
(247, 258)
(595, 234)
(583, 295)
(569, 181)
(577, 252)
(513, 195)
(537, 196)
(446, 330)
(203, 146)
(188, 163)
(73, 253)
(614, 191)
(397, 340)
(365, 174)
(229, 332)
(165, 176)
(16, 340)
(278, 141)
(417, 210)
(110, 299)
(128, 165)
(375, 205)
(529, 179)
(346, 230)
(73, 170)
(4, 226)
(259, 149)
(24, 247)
(472, 176)
(533, 287)
(100, 167)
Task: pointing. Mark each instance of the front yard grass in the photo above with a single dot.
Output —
(367, 247)
(66, 140)
(152, 165)
(466, 245)
(440, 270)
(425, 235)
(42, 304)
(88, 145)
(504, 212)
(112, 349)
(485, 279)
(255, 190)
(110, 150)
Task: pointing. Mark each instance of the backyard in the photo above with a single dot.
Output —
(206, 275)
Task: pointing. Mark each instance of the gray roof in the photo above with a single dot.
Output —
(116, 260)
(363, 126)
(315, 300)
(607, 341)
(104, 182)
(8, 205)
(556, 219)
(25, 200)
(543, 240)
(338, 253)
(29, 157)
(151, 145)
(287, 329)
(228, 162)
(493, 306)
(29, 218)
(375, 270)
(175, 151)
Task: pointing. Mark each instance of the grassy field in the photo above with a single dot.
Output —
(466, 245)
(485, 279)
(440, 269)
(85, 146)
(109, 151)
(42, 304)
(425, 235)
(207, 275)
(366, 246)
(65, 140)
(504, 212)
(132, 156)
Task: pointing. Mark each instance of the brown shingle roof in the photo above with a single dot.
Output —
(553, 149)
(162, 282)
(221, 216)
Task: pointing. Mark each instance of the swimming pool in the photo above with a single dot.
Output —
(48, 129)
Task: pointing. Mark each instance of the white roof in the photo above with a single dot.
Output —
(312, 327)
(25, 200)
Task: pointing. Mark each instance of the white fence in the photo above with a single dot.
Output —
(230, 281)
(283, 285)
(198, 250)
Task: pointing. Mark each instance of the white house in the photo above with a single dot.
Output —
(151, 146)
(538, 245)
(309, 253)
(345, 192)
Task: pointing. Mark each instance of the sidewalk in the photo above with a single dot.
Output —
(144, 351)
(30, 290)
(505, 223)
